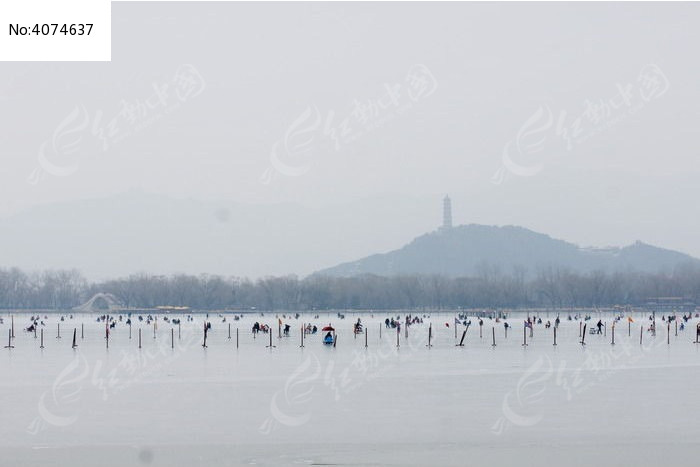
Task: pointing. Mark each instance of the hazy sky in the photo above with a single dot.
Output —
(577, 120)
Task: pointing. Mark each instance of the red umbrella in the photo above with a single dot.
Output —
(328, 328)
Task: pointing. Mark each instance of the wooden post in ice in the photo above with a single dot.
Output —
(506, 330)
(583, 336)
(555, 335)
(204, 344)
(236, 337)
(178, 330)
(613, 334)
(366, 332)
(456, 326)
(107, 338)
(139, 338)
(34, 332)
(676, 322)
(229, 330)
(461, 341)
(641, 333)
(430, 335)
(605, 329)
(129, 329)
(493, 335)
(629, 328)
(270, 346)
(481, 333)
(41, 346)
(58, 330)
(406, 331)
(9, 340)
(279, 329)
(154, 329)
(398, 335)
(302, 335)
(668, 333)
(74, 333)
(380, 330)
(580, 324)
(172, 338)
(524, 337)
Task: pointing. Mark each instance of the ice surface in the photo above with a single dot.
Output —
(570, 404)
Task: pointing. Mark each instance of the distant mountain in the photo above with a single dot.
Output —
(466, 250)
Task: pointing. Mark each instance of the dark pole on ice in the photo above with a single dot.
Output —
(139, 338)
(9, 340)
(493, 334)
(583, 336)
(172, 338)
(58, 330)
(42, 339)
(74, 333)
(613, 334)
(270, 346)
(524, 337)
(461, 341)
(555, 335)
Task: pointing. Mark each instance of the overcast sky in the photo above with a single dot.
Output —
(577, 120)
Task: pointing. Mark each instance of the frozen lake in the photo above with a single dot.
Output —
(540, 404)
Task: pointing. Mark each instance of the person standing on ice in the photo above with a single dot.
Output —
(600, 327)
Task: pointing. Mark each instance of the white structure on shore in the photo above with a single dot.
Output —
(446, 213)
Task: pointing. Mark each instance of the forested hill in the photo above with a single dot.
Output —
(471, 250)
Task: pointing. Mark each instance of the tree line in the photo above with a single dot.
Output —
(490, 288)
